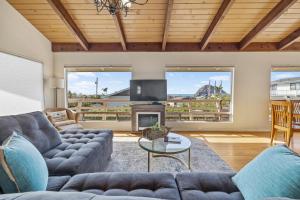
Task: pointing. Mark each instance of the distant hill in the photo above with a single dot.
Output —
(208, 90)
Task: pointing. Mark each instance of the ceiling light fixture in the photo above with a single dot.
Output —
(115, 6)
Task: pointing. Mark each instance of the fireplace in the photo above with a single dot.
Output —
(146, 119)
(146, 115)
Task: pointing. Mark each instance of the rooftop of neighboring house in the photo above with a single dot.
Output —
(286, 80)
(123, 92)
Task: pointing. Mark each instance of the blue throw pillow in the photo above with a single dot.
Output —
(22, 168)
(273, 173)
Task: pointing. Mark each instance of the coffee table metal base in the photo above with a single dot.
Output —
(188, 165)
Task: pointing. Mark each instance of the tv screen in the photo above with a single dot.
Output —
(148, 90)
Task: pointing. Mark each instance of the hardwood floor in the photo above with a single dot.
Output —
(236, 148)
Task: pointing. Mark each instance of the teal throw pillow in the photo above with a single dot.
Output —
(22, 167)
(273, 173)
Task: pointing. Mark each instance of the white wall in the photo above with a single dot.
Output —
(21, 85)
(251, 79)
(19, 37)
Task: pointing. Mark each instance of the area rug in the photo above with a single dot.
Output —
(129, 157)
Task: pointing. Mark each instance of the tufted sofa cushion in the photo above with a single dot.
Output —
(154, 185)
(207, 186)
(64, 196)
(81, 151)
(35, 126)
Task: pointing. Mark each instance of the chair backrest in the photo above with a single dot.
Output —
(295, 106)
(69, 112)
(54, 109)
(281, 113)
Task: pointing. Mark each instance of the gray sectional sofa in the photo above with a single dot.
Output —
(72, 156)
(186, 186)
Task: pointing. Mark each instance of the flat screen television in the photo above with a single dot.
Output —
(148, 90)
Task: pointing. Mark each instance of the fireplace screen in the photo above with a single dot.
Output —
(147, 120)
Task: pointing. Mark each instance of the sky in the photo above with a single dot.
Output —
(177, 82)
(84, 82)
(287, 74)
(190, 82)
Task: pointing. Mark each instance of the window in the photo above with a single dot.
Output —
(274, 86)
(287, 81)
(199, 93)
(292, 86)
(100, 94)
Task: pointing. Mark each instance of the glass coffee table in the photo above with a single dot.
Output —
(160, 148)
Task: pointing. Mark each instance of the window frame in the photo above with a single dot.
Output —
(230, 69)
(274, 87)
(292, 86)
(89, 68)
(284, 69)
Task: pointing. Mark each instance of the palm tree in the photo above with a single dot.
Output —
(104, 91)
(69, 94)
(219, 88)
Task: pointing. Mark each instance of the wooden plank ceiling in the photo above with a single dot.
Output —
(168, 25)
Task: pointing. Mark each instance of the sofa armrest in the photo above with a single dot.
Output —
(206, 181)
(50, 119)
(71, 114)
(217, 186)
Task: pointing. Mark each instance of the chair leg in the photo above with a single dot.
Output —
(273, 132)
(289, 137)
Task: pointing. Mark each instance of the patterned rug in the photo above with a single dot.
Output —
(129, 157)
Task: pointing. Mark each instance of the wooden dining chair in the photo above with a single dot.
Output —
(281, 120)
(295, 108)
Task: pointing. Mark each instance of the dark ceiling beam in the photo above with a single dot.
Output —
(223, 10)
(274, 14)
(291, 38)
(167, 24)
(67, 19)
(171, 47)
(120, 30)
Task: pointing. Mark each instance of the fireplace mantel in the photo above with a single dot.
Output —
(146, 108)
